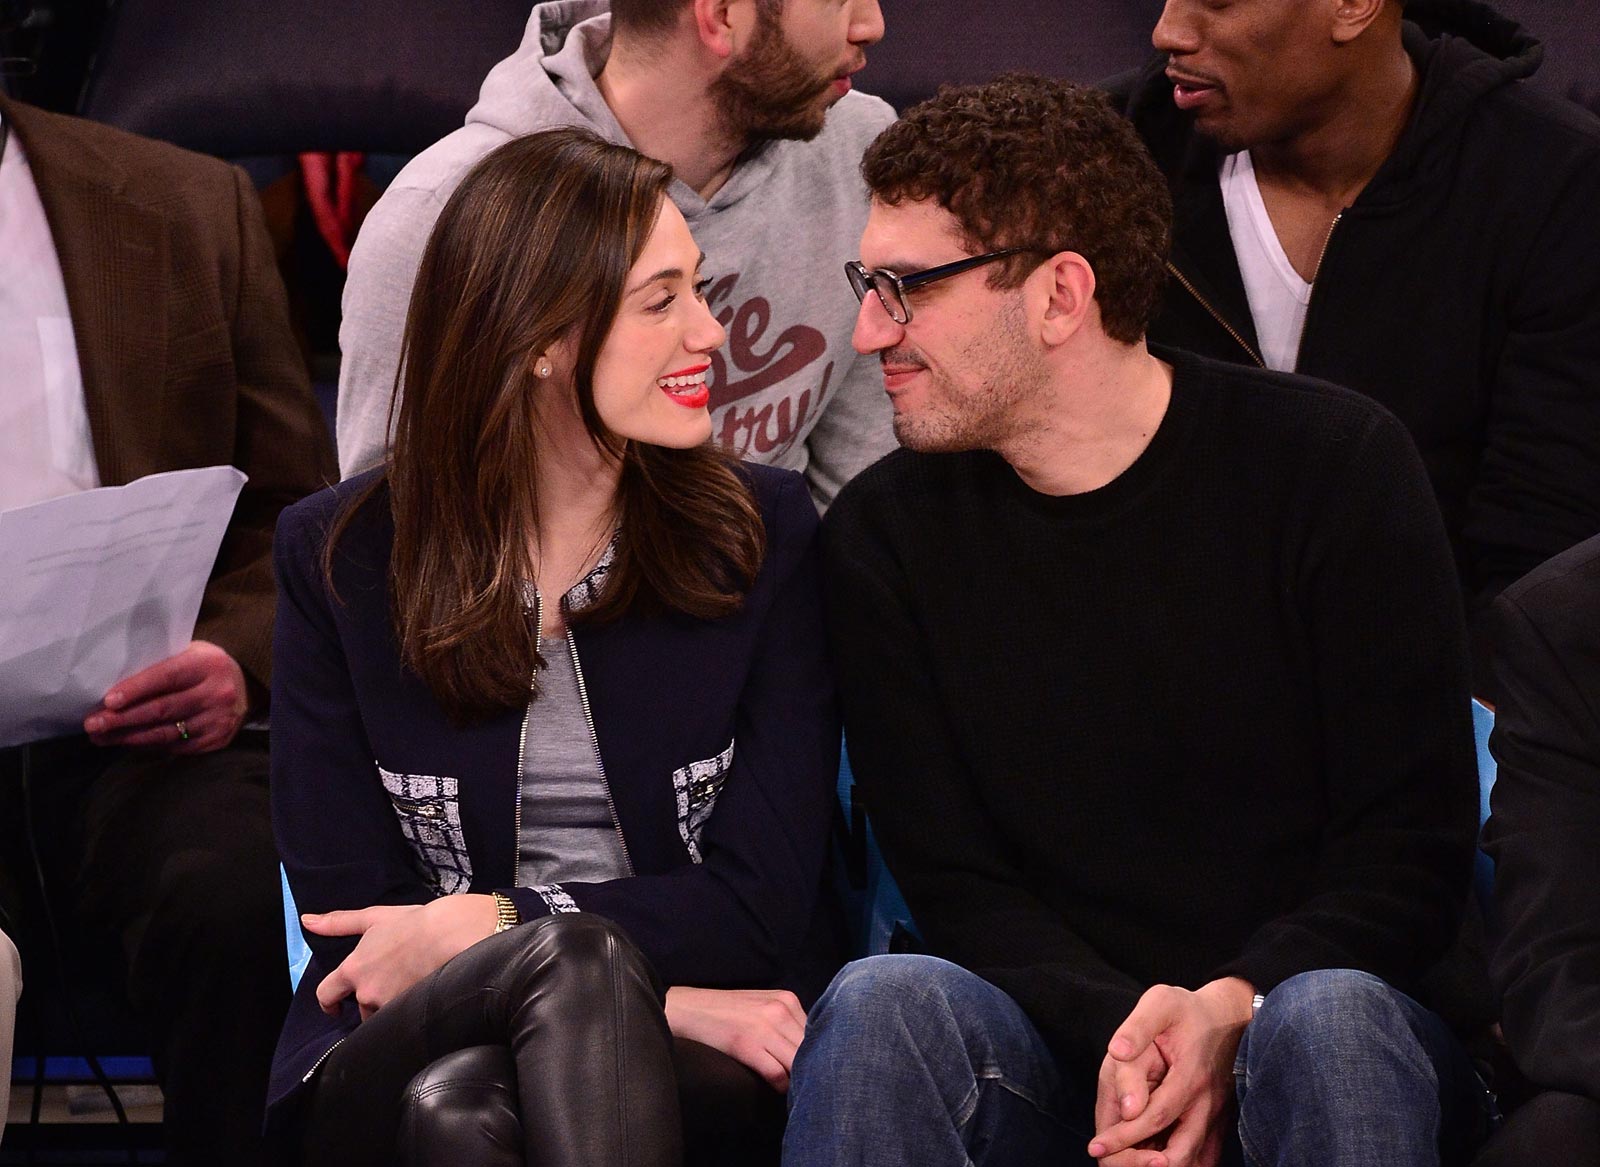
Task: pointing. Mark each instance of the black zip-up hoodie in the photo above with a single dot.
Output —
(1461, 289)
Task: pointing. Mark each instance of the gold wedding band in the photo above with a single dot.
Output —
(183, 730)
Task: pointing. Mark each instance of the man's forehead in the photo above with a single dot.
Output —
(918, 233)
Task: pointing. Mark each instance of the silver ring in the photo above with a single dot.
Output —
(183, 730)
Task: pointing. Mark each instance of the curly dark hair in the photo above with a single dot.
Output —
(1028, 161)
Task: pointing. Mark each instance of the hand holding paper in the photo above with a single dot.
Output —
(190, 703)
(98, 587)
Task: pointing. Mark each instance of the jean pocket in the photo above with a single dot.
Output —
(429, 811)
(697, 786)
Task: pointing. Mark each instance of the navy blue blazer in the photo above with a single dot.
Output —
(719, 739)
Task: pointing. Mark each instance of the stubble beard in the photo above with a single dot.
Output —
(983, 413)
(771, 91)
(962, 419)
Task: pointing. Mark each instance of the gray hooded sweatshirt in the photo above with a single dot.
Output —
(786, 389)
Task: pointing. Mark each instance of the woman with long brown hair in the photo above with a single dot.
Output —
(553, 731)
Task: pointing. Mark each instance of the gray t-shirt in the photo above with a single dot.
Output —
(787, 389)
(568, 831)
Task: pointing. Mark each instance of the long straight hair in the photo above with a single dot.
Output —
(535, 246)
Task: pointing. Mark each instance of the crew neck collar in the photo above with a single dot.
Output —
(1165, 445)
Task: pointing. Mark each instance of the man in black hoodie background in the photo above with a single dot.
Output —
(1371, 196)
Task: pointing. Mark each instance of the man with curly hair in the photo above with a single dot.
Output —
(1155, 684)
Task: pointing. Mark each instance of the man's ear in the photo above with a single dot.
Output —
(723, 26)
(1066, 284)
(1351, 18)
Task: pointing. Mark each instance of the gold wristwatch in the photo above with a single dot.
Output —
(505, 912)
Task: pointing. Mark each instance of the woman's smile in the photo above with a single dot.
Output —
(687, 387)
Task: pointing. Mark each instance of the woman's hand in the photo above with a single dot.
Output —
(760, 1028)
(399, 946)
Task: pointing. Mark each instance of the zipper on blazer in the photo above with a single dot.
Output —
(522, 752)
(1215, 315)
(1315, 280)
(588, 716)
(516, 818)
(317, 1065)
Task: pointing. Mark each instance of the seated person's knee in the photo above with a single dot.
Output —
(463, 1109)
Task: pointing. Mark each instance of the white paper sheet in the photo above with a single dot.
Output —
(98, 585)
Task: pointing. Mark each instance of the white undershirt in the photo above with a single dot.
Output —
(1277, 295)
(45, 447)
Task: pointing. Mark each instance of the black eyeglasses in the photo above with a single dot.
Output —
(892, 289)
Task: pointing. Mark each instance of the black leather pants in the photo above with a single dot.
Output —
(462, 1109)
(576, 1014)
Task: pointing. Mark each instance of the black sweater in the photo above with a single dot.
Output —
(1210, 719)
(1461, 290)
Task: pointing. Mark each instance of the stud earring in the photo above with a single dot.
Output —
(544, 368)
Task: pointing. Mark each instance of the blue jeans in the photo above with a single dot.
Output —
(1338, 1068)
(914, 1060)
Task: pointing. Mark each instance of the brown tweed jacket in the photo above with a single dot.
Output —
(184, 341)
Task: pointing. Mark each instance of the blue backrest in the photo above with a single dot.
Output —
(1482, 723)
(299, 951)
(876, 912)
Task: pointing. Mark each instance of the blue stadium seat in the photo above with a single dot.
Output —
(1482, 723)
(299, 951)
(876, 912)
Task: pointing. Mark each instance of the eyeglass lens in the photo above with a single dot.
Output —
(887, 288)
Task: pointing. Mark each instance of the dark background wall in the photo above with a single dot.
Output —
(929, 41)
(51, 49)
